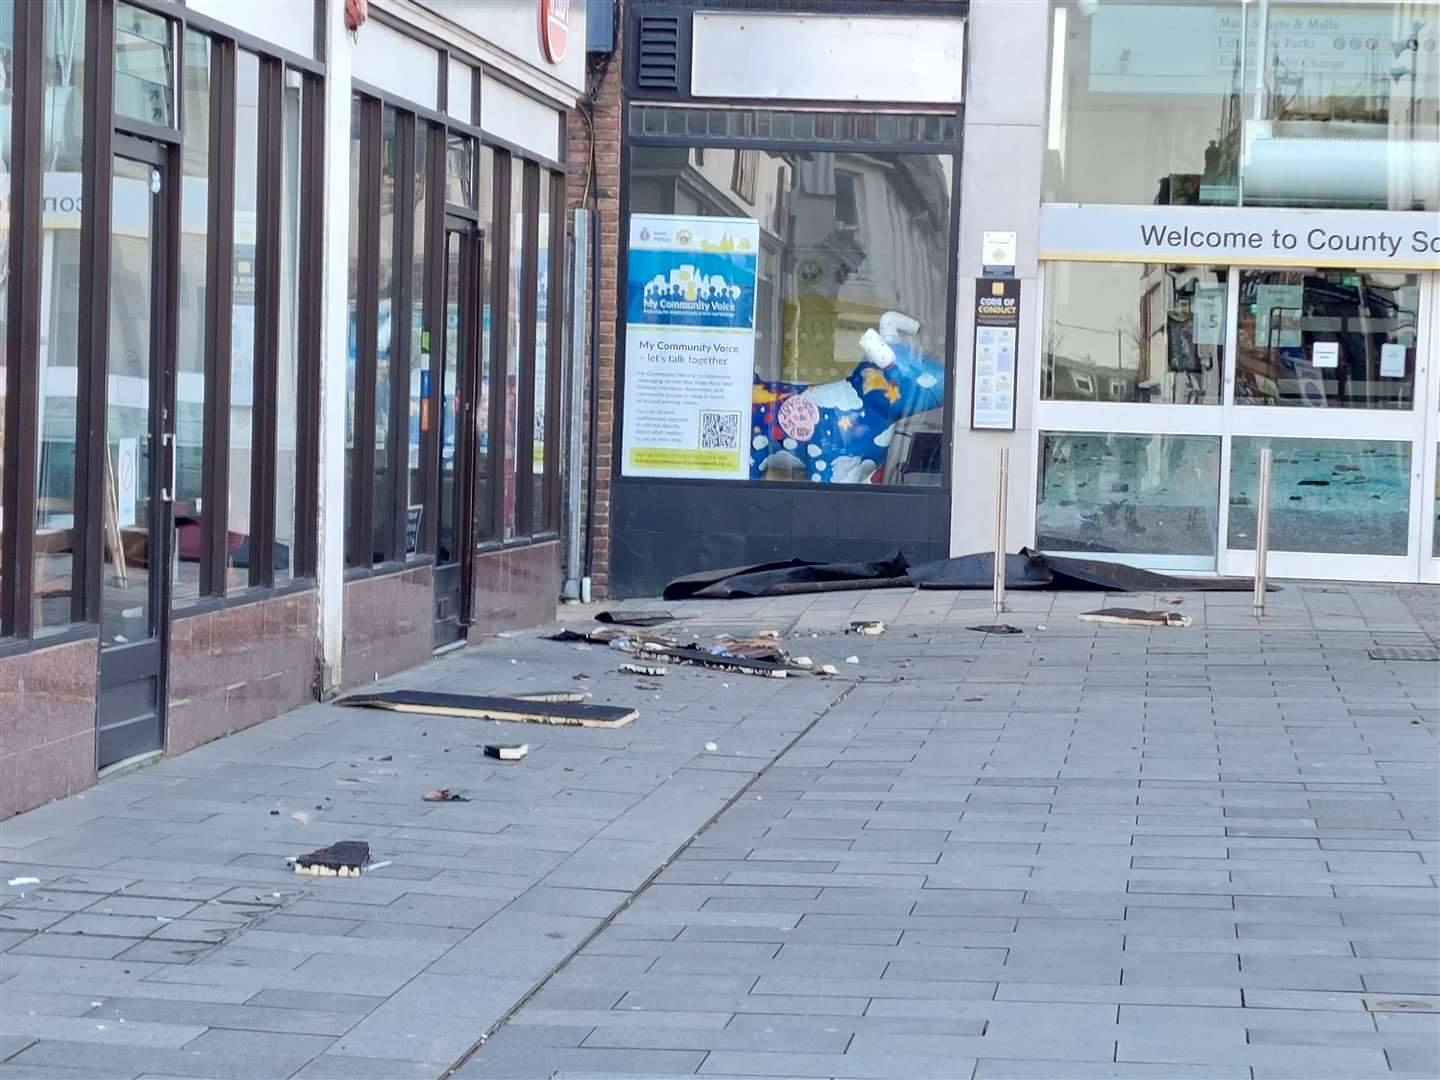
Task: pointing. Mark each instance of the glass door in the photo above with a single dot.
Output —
(138, 461)
(1332, 373)
(455, 440)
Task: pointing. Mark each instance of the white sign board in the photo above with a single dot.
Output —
(1325, 354)
(689, 346)
(1243, 236)
(127, 478)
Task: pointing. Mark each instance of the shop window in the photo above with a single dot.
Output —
(833, 269)
(58, 550)
(239, 553)
(1171, 103)
(7, 36)
(514, 346)
(289, 353)
(1133, 332)
(144, 66)
(192, 328)
(418, 421)
(389, 266)
(352, 367)
(542, 401)
(460, 171)
(1327, 338)
(1131, 494)
(484, 487)
(1326, 495)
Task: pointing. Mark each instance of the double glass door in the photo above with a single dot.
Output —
(138, 462)
(452, 448)
(1161, 384)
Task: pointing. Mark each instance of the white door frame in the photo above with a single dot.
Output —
(1419, 426)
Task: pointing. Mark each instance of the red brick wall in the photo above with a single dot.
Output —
(604, 198)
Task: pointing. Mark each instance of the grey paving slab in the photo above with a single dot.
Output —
(1207, 848)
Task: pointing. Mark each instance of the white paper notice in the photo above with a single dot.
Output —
(690, 346)
(1325, 354)
(127, 478)
(1392, 361)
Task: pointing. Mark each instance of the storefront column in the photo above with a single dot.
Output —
(999, 191)
(334, 391)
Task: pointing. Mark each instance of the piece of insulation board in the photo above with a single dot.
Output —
(478, 707)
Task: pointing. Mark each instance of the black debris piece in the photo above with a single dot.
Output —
(996, 628)
(443, 794)
(1135, 617)
(621, 617)
(507, 751)
(344, 859)
(790, 576)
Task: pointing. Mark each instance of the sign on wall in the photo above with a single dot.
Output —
(689, 346)
(997, 328)
(1242, 236)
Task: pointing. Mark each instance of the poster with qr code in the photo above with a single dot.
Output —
(689, 346)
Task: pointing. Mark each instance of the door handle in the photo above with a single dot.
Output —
(167, 442)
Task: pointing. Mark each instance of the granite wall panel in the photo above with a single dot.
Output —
(47, 724)
(387, 625)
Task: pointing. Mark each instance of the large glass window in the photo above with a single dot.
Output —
(484, 487)
(352, 336)
(192, 329)
(1279, 104)
(1140, 494)
(1327, 338)
(144, 66)
(514, 350)
(389, 269)
(538, 507)
(1136, 332)
(843, 392)
(419, 421)
(57, 547)
(7, 56)
(238, 555)
(287, 360)
(1326, 495)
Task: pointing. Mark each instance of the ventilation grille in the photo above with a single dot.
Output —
(658, 66)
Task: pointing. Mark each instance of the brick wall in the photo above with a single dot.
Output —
(604, 197)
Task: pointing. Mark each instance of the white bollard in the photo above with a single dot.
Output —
(1002, 485)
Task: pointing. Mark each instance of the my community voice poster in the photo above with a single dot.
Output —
(689, 346)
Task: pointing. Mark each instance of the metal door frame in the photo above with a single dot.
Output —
(127, 664)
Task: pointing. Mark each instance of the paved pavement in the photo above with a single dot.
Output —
(1079, 851)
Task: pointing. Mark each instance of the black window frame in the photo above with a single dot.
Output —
(21, 404)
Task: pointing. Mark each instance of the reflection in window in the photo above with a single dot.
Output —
(7, 36)
(1164, 103)
(1134, 332)
(419, 420)
(190, 386)
(1327, 338)
(287, 363)
(460, 171)
(1132, 494)
(542, 309)
(484, 505)
(144, 66)
(383, 526)
(238, 557)
(352, 342)
(844, 238)
(515, 303)
(55, 542)
(1326, 495)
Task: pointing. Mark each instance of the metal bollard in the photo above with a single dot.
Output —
(1262, 530)
(1002, 486)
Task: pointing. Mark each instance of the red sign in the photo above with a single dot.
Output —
(554, 29)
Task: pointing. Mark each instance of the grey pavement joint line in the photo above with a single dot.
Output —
(606, 922)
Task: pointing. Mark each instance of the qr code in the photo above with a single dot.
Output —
(719, 431)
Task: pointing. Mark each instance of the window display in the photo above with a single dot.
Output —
(848, 276)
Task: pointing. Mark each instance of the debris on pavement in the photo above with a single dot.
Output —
(644, 669)
(566, 697)
(301, 816)
(827, 669)
(802, 662)
(621, 617)
(1398, 652)
(347, 858)
(1135, 617)
(722, 661)
(852, 659)
(1173, 599)
(23, 881)
(443, 794)
(996, 628)
(507, 751)
(710, 747)
(479, 707)
(867, 627)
